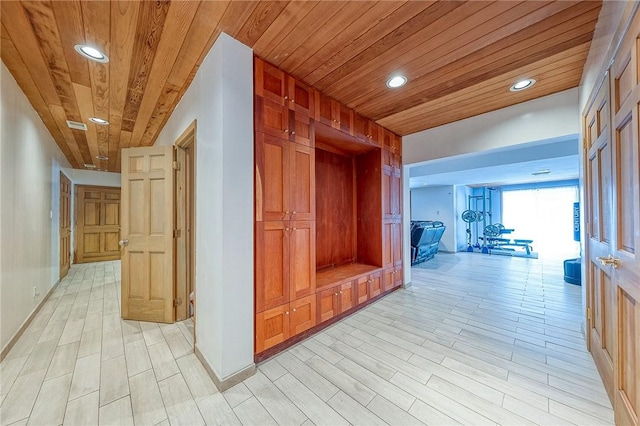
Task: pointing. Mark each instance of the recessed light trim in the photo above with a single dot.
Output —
(102, 157)
(99, 121)
(396, 81)
(522, 84)
(92, 53)
(541, 172)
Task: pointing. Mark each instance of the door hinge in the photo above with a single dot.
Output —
(176, 165)
(589, 314)
(177, 233)
(177, 302)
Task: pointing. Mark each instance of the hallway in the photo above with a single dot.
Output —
(476, 340)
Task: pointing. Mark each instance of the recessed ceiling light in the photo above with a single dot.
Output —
(397, 81)
(92, 53)
(541, 172)
(102, 157)
(522, 84)
(99, 121)
(89, 166)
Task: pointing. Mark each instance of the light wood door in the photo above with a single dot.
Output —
(98, 224)
(625, 223)
(600, 292)
(612, 192)
(65, 225)
(147, 234)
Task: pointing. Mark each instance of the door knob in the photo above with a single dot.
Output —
(123, 243)
(608, 261)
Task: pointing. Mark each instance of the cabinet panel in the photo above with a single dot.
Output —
(272, 178)
(388, 279)
(347, 296)
(397, 277)
(387, 243)
(328, 302)
(362, 289)
(375, 285)
(272, 327)
(272, 265)
(303, 258)
(302, 129)
(270, 82)
(324, 109)
(303, 184)
(302, 314)
(396, 243)
(300, 97)
(271, 118)
(344, 117)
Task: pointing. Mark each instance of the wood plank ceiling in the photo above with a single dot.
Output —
(460, 57)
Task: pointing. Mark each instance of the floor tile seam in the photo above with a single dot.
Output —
(338, 387)
(310, 390)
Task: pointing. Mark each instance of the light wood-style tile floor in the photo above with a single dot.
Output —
(477, 339)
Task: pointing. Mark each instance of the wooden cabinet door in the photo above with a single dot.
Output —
(344, 117)
(388, 279)
(397, 277)
(375, 285)
(324, 110)
(301, 98)
(302, 129)
(396, 193)
(387, 243)
(347, 296)
(302, 183)
(361, 128)
(272, 327)
(302, 314)
(362, 289)
(270, 82)
(273, 178)
(328, 304)
(302, 258)
(272, 118)
(396, 243)
(272, 265)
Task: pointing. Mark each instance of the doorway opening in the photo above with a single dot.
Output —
(185, 218)
(544, 215)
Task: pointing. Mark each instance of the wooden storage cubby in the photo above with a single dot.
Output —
(328, 230)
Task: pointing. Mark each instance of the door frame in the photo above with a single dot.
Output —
(185, 219)
(65, 205)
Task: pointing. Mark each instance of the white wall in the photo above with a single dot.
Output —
(220, 98)
(436, 203)
(540, 119)
(30, 163)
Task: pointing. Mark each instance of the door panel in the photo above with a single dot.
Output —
(272, 327)
(327, 304)
(65, 225)
(272, 178)
(302, 314)
(98, 224)
(303, 183)
(302, 236)
(147, 233)
(347, 297)
(272, 264)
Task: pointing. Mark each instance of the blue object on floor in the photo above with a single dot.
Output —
(572, 271)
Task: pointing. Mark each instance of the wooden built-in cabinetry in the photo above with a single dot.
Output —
(328, 217)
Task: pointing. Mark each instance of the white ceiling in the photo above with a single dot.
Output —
(506, 166)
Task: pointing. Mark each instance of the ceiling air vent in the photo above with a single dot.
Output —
(76, 125)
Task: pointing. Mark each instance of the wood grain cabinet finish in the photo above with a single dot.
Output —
(285, 262)
(334, 114)
(289, 117)
(285, 179)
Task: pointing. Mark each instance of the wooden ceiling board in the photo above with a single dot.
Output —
(566, 68)
(460, 57)
(356, 19)
(524, 47)
(458, 41)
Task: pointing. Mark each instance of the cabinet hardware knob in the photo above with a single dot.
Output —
(293, 133)
(287, 313)
(286, 97)
(294, 228)
(293, 101)
(294, 310)
(286, 229)
(340, 291)
(608, 261)
(287, 212)
(286, 130)
(293, 212)
(335, 294)
(123, 243)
